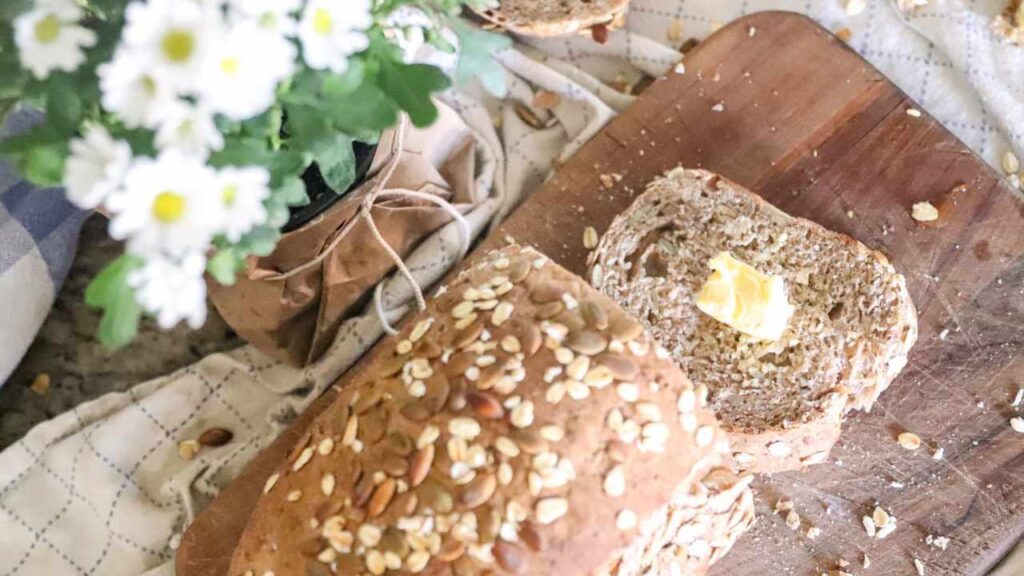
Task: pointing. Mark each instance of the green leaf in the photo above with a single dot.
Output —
(337, 162)
(366, 109)
(261, 240)
(411, 85)
(241, 151)
(335, 85)
(44, 165)
(475, 60)
(9, 9)
(63, 103)
(110, 292)
(292, 192)
(266, 125)
(225, 265)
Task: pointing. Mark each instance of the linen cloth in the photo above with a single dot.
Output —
(38, 236)
(102, 490)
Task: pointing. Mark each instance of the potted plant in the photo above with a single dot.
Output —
(204, 128)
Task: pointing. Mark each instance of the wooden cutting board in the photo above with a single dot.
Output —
(817, 131)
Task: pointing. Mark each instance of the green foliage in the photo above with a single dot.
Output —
(475, 57)
(317, 117)
(337, 161)
(110, 292)
(410, 86)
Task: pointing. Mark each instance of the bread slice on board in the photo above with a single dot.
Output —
(556, 18)
(782, 402)
(523, 424)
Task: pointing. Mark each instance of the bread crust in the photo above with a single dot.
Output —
(807, 438)
(613, 18)
(388, 471)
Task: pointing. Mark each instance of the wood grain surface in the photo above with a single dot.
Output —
(821, 134)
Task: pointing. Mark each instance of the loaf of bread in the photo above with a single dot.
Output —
(782, 402)
(522, 424)
(562, 18)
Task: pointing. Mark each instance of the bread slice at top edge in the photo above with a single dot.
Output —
(781, 402)
(549, 18)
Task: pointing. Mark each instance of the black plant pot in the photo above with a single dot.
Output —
(322, 196)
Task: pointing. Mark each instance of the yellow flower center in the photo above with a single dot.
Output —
(178, 45)
(229, 65)
(168, 207)
(228, 194)
(268, 20)
(322, 22)
(47, 29)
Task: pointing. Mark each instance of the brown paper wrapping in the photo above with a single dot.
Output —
(289, 304)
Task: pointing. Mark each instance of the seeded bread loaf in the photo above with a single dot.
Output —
(522, 425)
(562, 18)
(781, 402)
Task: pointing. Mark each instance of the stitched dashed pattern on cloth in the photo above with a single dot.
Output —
(102, 490)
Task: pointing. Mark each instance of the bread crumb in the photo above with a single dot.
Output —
(720, 107)
(41, 384)
(844, 34)
(855, 7)
(1018, 398)
(793, 520)
(1011, 165)
(938, 453)
(909, 440)
(188, 449)
(784, 505)
(1017, 423)
(914, 112)
(674, 32)
(924, 212)
(751, 32)
(866, 562)
(919, 566)
(546, 100)
(680, 68)
(813, 532)
(940, 542)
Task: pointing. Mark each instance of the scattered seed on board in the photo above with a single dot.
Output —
(590, 238)
(625, 520)
(1017, 423)
(909, 440)
(913, 112)
(924, 212)
(793, 520)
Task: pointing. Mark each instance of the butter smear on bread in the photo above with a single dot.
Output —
(738, 295)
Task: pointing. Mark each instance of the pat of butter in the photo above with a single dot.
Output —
(747, 300)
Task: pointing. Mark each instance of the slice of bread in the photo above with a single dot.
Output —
(781, 402)
(556, 18)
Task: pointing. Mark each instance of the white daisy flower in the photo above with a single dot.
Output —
(332, 31)
(132, 93)
(49, 37)
(96, 167)
(190, 129)
(174, 36)
(242, 71)
(171, 290)
(405, 28)
(169, 205)
(271, 15)
(242, 192)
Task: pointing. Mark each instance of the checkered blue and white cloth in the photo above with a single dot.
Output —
(38, 236)
(101, 490)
